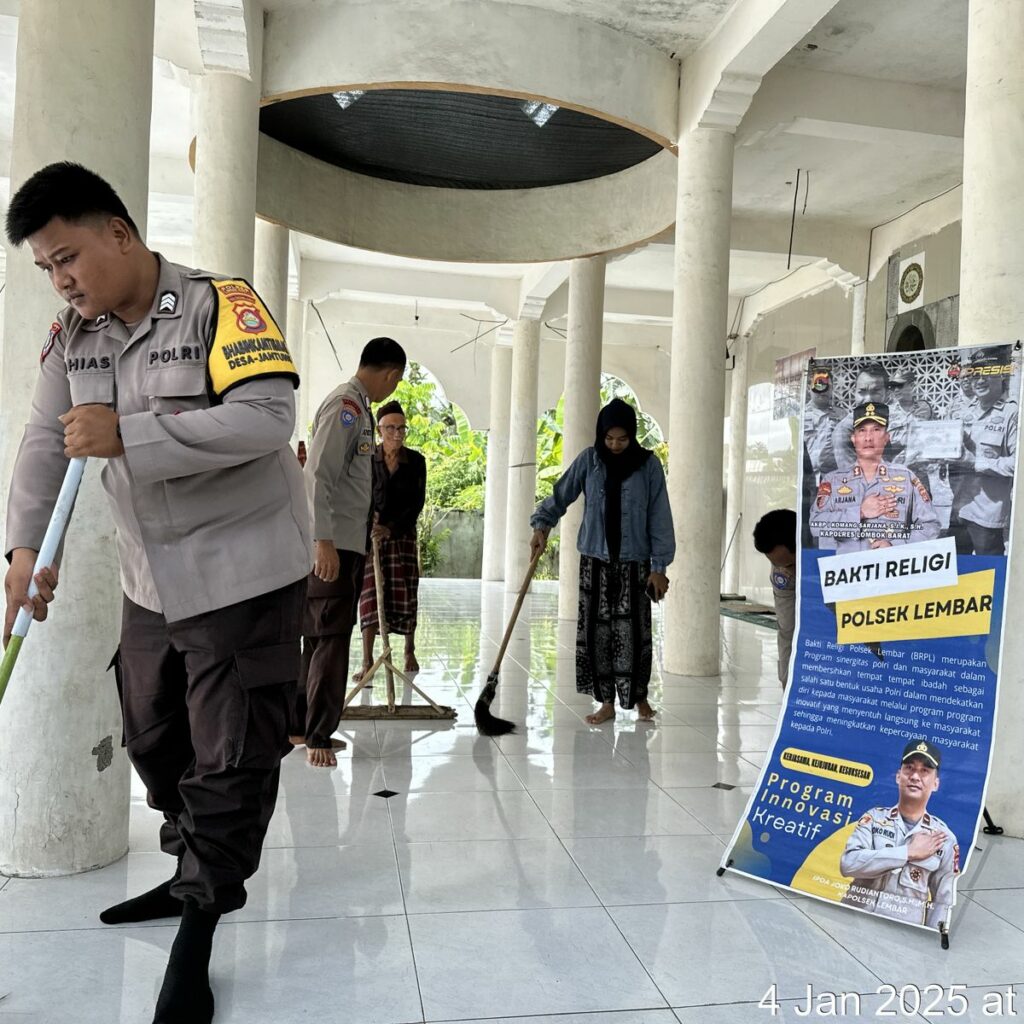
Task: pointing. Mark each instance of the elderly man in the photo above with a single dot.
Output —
(873, 504)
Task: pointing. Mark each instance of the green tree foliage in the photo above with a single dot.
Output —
(455, 455)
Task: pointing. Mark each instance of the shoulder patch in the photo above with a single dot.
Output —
(246, 344)
(51, 338)
(350, 412)
(824, 493)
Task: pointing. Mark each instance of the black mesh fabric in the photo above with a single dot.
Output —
(454, 139)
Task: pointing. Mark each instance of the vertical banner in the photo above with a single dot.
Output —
(872, 792)
(788, 384)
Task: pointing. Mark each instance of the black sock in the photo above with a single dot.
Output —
(185, 996)
(149, 906)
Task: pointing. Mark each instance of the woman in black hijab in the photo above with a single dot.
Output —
(626, 543)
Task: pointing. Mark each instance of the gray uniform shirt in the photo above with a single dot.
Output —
(819, 425)
(885, 882)
(983, 488)
(835, 511)
(339, 468)
(207, 499)
(784, 594)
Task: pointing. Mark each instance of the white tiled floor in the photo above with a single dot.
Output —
(561, 875)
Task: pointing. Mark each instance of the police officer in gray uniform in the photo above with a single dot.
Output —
(182, 385)
(339, 486)
(871, 385)
(903, 860)
(874, 503)
(984, 476)
(820, 419)
(775, 538)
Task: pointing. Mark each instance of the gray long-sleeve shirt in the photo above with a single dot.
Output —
(339, 468)
(207, 499)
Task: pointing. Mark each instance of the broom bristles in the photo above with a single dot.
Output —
(486, 723)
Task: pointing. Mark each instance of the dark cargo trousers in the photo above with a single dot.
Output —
(206, 702)
(331, 613)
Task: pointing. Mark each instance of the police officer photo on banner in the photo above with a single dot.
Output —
(876, 779)
(947, 423)
(902, 859)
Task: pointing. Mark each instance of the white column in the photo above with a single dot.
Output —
(496, 495)
(270, 269)
(522, 450)
(738, 536)
(582, 402)
(858, 327)
(298, 345)
(992, 310)
(697, 399)
(64, 780)
(227, 140)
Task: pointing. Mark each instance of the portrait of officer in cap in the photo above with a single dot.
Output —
(871, 385)
(903, 860)
(820, 419)
(983, 478)
(874, 503)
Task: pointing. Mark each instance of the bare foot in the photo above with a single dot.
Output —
(357, 677)
(645, 713)
(300, 741)
(321, 757)
(602, 714)
(411, 664)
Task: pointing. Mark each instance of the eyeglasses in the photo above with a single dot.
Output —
(390, 429)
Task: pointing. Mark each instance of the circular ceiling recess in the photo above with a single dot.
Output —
(457, 140)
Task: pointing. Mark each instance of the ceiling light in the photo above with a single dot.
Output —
(345, 99)
(539, 112)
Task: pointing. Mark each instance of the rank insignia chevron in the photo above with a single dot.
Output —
(168, 302)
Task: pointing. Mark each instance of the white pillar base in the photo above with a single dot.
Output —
(697, 412)
(64, 779)
(992, 310)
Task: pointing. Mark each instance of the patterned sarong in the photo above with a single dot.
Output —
(400, 566)
(613, 631)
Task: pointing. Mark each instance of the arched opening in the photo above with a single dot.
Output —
(450, 531)
(910, 340)
(911, 332)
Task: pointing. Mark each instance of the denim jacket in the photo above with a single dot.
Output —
(647, 532)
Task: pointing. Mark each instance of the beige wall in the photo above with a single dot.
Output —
(821, 322)
(941, 279)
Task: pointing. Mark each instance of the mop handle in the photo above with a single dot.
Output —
(531, 569)
(47, 553)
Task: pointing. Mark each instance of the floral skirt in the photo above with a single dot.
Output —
(613, 631)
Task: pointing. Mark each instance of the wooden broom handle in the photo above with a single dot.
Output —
(530, 570)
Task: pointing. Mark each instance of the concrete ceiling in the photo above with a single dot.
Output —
(920, 41)
(329, 252)
(860, 182)
(856, 181)
(674, 26)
